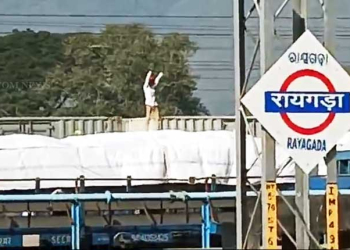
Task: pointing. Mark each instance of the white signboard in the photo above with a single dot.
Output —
(303, 101)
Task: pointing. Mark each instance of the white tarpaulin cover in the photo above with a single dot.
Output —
(156, 154)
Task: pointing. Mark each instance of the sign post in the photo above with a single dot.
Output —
(332, 216)
(268, 182)
(271, 215)
(302, 185)
(332, 173)
(239, 74)
(303, 101)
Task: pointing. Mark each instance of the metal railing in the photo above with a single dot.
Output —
(60, 127)
(129, 181)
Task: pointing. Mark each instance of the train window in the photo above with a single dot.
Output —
(343, 167)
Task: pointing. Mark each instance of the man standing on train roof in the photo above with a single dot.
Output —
(149, 89)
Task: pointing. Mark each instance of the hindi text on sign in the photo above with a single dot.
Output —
(307, 102)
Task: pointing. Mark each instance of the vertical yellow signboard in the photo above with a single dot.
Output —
(271, 189)
(332, 216)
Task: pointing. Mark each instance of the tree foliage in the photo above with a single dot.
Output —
(25, 58)
(89, 74)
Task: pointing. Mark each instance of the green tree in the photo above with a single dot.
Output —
(103, 75)
(25, 58)
(43, 74)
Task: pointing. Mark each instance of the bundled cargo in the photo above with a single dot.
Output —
(156, 155)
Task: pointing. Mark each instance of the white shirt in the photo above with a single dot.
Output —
(150, 92)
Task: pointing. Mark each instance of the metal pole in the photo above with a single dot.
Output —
(302, 200)
(76, 225)
(332, 174)
(205, 226)
(329, 25)
(125, 197)
(302, 203)
(239, 69)
(299, 21)
(268, 188)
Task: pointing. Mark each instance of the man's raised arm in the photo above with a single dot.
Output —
(147, 79)
(156, 81)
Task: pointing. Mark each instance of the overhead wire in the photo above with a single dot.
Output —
(158, 34)
(116, 16)
(85, 23)
(201, 31)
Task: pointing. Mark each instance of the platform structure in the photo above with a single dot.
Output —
(82, 233)
(111, 234)
(78, 230)
(293, 202)
(29, 221)
(268, 12)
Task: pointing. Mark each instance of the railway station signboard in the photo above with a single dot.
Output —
(303, 101)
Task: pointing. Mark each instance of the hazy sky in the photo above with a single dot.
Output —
(208, 21)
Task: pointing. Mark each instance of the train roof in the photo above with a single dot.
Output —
(150, 158)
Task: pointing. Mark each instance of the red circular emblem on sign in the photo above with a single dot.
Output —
(331, 89)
